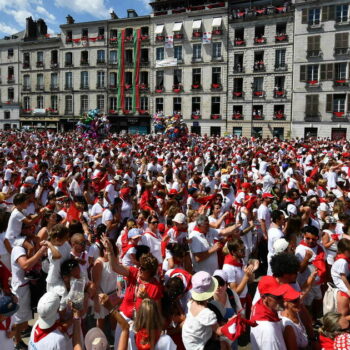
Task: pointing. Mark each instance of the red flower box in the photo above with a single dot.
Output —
(215, 116)
(281, 37)
(258, 93)
(69, 40)
(129, 38)
(179, 10)
(219, 4)
(178, 36)
(239, 42)
(312, 82)
(113, 39)
(177, 88)
(280, 8)
(260, 40)
(279, 93)
(143, 111)
(84, 38)
(160, 38)
(159, 90)
(196, 116)
(144, 37)
(259, 117)
(126, 111)
(237, 93)
(197, 34)
(217, 32)
(237, 116)
(127, 86)
(240, 14)
(101, 37)
(260, 11)
(340, 81)
(195, 86)
(216, 86)
(112, 111)
(196, 8)
(279, 116)
(338, 114)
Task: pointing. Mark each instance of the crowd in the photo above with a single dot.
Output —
(146, 242)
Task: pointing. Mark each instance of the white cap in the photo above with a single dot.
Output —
(30, 180)
(280, 245)
(95, 339)
(9, 162)
(292, 209)
(48, 310)
(222, 274)
(117, 178)
(180, 218)
(160, 179)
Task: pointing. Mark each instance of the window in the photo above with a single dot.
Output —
(258, 84)
(10, 94)
(279, 83)
(159, 105)
(26, 82)
(85, 33)
(100, 56)
(177, 104)
(101, 31)
(26, 59)
(40, 81)
(40, 57)
(281, 28)
(69, 35)
(177, 76)
(178, 52)
(237, 131)
(310, 132)
(69, 104)
(128, 78)
(84, 58)
(144, 56)
(100, 102)
(259, 32)
(238, 84)
(113, 79)
(54, 104)
(215, 131)
(84, 103)
(215, 105)
(342, 13)
(7, 115)
(314, 16)
(278, 132)
(113, 34)
(144, 77)
(280, 58)
(160, 53)
(259, 64)
(341, 41)
(144, 103)
(239, 34)
(68, 59)
(196, 76)
(113, 103)
(338, 102)
(238, 63)
(144, 31)
(128, 57)
(7, 126)
(40, 102)
(195, 129)
(313, 45)
(128, 103)
(9, 53)
(10, 74)
(312, 72)
(54, 57)
(113, 56)
(68, 80)
(311, 105)
(217, 50)
(257, 132)
(238, 110)
(54, 80)
(340, 71)
(84, 80)
(159, 78)
(216, 75)
(196, 105)
(100, 79)
(26, 102)
(197, 51)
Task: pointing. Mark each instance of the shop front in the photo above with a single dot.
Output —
(130, 124)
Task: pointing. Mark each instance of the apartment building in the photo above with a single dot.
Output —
(321, 99)
(190, 63)
(260, 67)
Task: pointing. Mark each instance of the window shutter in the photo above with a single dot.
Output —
(303, 73)
(325, 13)
(323, 75)
(315, 104)
(344, 40)
(330, 71)
(304, 16)
(317, 42)
(308, 106)
(329, 103)
(310, 43)
(331, 13)
(338, 40)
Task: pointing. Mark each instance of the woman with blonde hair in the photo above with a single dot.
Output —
(338, 208)
(148, 327)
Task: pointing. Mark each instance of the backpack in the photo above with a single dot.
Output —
(330, 299)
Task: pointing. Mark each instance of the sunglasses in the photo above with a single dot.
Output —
(154, 222)
(311, 239)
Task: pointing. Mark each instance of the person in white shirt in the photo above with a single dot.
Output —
(8, 307)
(152, 239)
(268, 182)
(111, 191)
(97, 211)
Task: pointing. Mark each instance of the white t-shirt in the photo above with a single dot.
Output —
(17, 272)
(268, 182)
(267, 335)
(235, 274)
(274, 233)
(264, 214)
(14, 227)
(111, 194)
(339, 267)
(154, 243)
(197, 330)
(54, 273)
(299, 331)
(96, 210)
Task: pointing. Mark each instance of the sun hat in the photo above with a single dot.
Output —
(95, 339)
(180, 218)
(203, 286)
(48, 310)
(7, 306)
(134, 233)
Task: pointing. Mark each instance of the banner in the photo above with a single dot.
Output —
(170, 62)
(206, 38)
(169, 42)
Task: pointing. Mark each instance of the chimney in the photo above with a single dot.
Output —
(70, 19)
(132, 13)
(41, 27)
(31, 29)
(113, 15)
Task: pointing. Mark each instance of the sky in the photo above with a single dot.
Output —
(13, 13)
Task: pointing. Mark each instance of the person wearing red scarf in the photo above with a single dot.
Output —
(340, 272)
(268, 334)
(312, 258)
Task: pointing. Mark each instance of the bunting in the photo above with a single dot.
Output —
(120, 67)
(137, 61)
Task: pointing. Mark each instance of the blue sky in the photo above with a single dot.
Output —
(14, 12)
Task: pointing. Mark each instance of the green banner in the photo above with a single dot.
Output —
(119, 69)
(134, 72)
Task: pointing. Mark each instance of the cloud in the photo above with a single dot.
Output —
(96, 8)
(6, 29)
(19, 15)
(47, 15)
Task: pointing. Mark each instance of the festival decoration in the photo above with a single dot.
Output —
(93, 124)
(173, 126)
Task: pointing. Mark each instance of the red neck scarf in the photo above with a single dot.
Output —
(326, 343)
(151, 233)
(232, 260)
(342, 256)
(42, 333)
(6, 326)
(260, 312)
(319, 262)
(142, 339)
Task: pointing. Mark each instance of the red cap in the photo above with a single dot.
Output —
(245, 185)
(267, 195)
(173, 191)
(291, 293)
(125, 191)
(161, 228)
(269, 285)
(226, 186)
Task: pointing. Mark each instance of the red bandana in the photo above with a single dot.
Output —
(42, 333)
(260, 312)
(342, 256)
(231, 260)
(7, 324)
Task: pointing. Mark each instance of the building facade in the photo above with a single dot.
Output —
(321, 99)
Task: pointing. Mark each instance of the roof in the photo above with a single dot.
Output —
(12, 40)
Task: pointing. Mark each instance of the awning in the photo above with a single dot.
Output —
(177, 26)
(159, 29)
(217, 22)
(197, 24)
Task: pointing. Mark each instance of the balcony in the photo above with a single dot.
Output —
(11, 79)
(52, 111)
(312, 116)
(256, 116)
(313, 84)
(160, 38)
(178, 36)
(279, 93)
(54, 65)
(281, 38)
(160, 13)
(159, 89)
(100, 61)
(260, 40)
(54, 87)
(127, 86)
(259, 67)
(196, 116)
(196, 86)
(339, 116)
(113, 111)
(179, 10)
(239, 42)
(69, 40)
(40, 87)
(317, 25)
(215, 116)
(237, 116)
(237, 94)
(113, 62)
(129, 39)
(68, 87)
(112, 87)
(342, 22)
(281, 67)
(341, 83)
(216, 32)
(113, 40)
(238, 69)
(144, 37)
(177, 88)
(279, 116)
(258, 94)
(144, 87)
(27, 111)
(196, 8)
(216, 86)
(39, 64)
(84, 62)
(26, 88)
(341, 51)
(100, 38)
(314, 54)
(68, 64)
(144, 63)
(197, 35)
(84, 87)
(26, 65)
